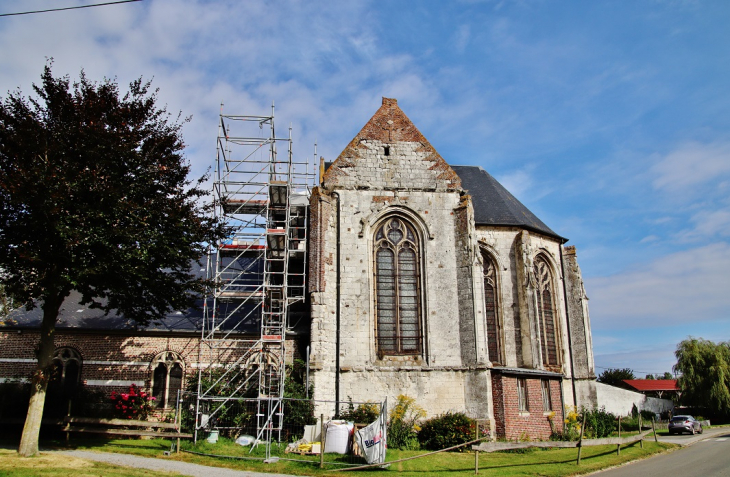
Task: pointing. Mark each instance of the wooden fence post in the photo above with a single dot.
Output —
(321, 441)
(618, 446)
(580, 440)
(641, 442)
(654, 429)
(68, 414)
(476, 453)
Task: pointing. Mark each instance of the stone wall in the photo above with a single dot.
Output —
(618, 401)
(445, 318)
(580, 323)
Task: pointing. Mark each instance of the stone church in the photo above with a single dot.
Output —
(425, 279)
(432, 280)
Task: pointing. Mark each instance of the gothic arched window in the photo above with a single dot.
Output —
(546, 312)
(491, 308)
(67, 370)
(167, 378)
(397, 272)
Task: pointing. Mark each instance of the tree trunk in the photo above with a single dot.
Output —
(31, 430)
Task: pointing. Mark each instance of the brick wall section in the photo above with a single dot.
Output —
(320, 211)
(498, 405)
(511, 423)
(123, 357)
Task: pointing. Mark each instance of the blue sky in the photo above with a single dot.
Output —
(609, 120)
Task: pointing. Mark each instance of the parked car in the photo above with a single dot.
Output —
(680, 424)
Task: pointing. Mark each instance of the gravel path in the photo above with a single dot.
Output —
(183, 468)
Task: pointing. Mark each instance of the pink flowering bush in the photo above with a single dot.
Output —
(136, 404)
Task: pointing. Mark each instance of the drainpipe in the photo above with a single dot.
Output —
(567, 319)
(337, 312)
(562, 402)
(307, 380)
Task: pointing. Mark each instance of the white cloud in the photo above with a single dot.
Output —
(683, 287)
(708, 224)
(461, 38)
(688, 169)
(649, 239)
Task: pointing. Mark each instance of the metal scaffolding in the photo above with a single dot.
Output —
(258, 272)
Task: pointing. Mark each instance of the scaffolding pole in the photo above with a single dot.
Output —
(258, 272)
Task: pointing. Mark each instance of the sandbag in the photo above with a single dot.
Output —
(337, 439)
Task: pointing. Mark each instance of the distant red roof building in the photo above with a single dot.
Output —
(654, 387)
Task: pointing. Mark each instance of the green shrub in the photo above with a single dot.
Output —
(365, 413)
(299, 410)
(571, 427)
(447, 430)
(599, 423)
(403, 424)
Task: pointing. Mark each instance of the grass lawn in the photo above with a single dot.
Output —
(552, 462)
(56, 465)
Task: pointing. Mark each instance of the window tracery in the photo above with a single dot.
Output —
(66, 370)
(546, 312)
(167, 378)
(491, 309)
(397, 276)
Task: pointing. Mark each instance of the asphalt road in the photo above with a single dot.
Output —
(706, 455)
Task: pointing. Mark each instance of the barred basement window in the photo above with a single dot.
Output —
(547, 402)
(167, 377)
(522, 405)
(546, 313)
(397, 272)
(491, 309)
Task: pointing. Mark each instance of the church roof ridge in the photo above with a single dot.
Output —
(390, 124)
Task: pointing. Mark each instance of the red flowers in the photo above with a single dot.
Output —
(135, 404)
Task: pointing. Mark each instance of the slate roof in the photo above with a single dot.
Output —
(74, 316)
(650, 385)
(495, 205)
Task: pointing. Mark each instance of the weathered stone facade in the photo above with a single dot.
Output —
(389, 170)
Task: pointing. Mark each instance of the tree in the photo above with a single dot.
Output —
(668, 375)
(95, 197)
(705, 374)
(615, 376)
(6, 304)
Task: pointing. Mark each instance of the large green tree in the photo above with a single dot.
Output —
(705, 374)
(615, 376)
(95, 197)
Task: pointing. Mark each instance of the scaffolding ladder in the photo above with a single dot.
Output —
(258, 272)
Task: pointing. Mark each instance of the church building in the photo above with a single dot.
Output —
(433, 281)
(424, 279)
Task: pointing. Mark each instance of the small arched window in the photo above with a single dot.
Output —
(397, 278)
(167, 378)
(546, 312)
(491, 308)
(66, 370)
